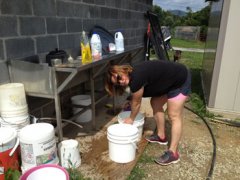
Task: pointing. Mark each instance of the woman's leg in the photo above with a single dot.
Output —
(157, 104)
(175, 113)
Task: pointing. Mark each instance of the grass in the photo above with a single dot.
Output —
(187, 43)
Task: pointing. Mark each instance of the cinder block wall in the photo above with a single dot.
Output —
(35, 27)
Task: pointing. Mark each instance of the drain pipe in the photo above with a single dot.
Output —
(210, 172)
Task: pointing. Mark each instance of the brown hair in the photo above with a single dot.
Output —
(117, 69)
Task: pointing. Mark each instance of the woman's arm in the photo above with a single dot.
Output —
(135, 105)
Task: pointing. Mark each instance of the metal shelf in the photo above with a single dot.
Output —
(40, 80)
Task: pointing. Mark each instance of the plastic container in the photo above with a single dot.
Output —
(85, 49)
(119, 41)
(138, 121)
(122, 142)
(38, 145)
(96, 46)
(46, 172)
(84, 100)
(69, 154)
(13, 100)
(16, 123)
(9, 151)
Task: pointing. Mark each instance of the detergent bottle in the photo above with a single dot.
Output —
(96, 46)
(119, 41)
(85, 49)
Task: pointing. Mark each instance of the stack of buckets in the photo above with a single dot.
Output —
(14, 116)
(138, 121)
(123, 138)
(13, 106)
(83, 100)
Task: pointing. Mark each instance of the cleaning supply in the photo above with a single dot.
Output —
(85, 49)
(119, 41)
(96, 46)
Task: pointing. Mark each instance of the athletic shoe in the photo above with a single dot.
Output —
(157, 139)
(168, 158)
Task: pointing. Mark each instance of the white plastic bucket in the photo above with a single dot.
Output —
(138, 121)
(8, 138)
(16, 120)
(69, 154)
(46, 172)
(84, 100)
(17, 126)
(13, 100)
(38, 145)
(122, 139)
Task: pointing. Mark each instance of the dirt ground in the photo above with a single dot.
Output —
(195, 150)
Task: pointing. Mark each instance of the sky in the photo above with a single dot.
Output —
(195, 5)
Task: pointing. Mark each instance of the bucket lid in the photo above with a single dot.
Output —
(122, 130)
(7, 134)
(36, 131)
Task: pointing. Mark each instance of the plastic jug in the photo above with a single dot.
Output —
(85, 49)
(96, 46)
(119, 41)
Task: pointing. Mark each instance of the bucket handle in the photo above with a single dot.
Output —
(14, 148)
(133, 143)
(33, 119)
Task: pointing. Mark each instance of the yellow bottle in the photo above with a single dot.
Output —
(85, 49)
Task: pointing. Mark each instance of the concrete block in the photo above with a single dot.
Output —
(32, 25)
(8, 26)
(44, 8)
(56, 25)
(70, 41)
(16, 7)
(46, 44)
(74, 25)
(17, 48)
(69, 9)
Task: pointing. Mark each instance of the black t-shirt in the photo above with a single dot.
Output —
(158, 77)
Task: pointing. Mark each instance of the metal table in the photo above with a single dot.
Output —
(40, 80)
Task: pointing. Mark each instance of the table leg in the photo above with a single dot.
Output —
(92, 98)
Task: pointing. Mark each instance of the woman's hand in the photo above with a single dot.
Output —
(128, 121)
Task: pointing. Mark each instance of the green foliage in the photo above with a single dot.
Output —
(136, 174)
(74, 173)
(12, 174)
(146, 159)
(199, 18)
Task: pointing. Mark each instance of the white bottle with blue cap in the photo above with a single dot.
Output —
(96, 46)
(119, 41)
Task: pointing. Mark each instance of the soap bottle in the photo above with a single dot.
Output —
(96, 46)
(119, 41)
(85, 49)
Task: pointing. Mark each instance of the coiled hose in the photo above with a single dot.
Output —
(210, 172)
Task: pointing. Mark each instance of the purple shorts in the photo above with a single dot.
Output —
(183, 91)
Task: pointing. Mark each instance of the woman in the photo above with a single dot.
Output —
(163, 81)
